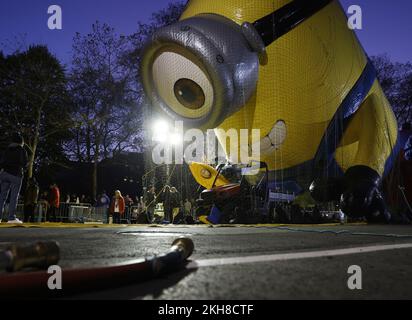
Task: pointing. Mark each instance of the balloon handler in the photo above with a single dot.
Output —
(294, 70)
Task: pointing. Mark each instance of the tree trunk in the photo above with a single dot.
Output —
(32, 156)
(94, 180)
(94, 172)
(88, 145)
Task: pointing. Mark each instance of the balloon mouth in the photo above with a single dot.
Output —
(271, 142)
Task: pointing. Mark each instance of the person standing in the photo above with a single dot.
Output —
(13, 164)
(188, 208)
(167, 204)
(117, 207)
(43, 206)
(177, 206)
(104, 200)
(141, 209)
(408, 149)
(103, 205)
(30, 199)
(406, 171)
(128, 200)
(54, 203)
(150, 203)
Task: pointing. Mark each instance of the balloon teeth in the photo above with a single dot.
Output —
(275, 139)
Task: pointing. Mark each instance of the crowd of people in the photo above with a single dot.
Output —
(140, 209)
(175, 210)
(13, 164)
(143, 209)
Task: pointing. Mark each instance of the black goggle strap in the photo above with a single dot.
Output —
(283, 20)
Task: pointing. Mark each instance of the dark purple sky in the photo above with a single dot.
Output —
(387, 24)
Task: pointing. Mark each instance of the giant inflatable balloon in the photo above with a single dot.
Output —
(294, 70)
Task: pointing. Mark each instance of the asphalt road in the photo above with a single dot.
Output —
(386, 274)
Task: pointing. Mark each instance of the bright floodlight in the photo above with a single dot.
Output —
(160, 131)
(175, 139)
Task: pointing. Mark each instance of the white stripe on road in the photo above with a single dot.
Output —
(294, 256)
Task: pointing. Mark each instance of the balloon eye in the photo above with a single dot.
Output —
(189, 94)
(183, 86)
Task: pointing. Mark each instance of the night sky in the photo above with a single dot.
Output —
(387, 24)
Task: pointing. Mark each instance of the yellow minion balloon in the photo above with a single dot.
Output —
(294, 70)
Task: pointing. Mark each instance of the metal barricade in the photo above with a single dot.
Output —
(78, 213)
(82, 213)
(100, 214)
(74, 213)
(41, 212)
(63, 212)
(69, 212)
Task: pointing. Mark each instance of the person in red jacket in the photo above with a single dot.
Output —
(54, 203)
(117, 207)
